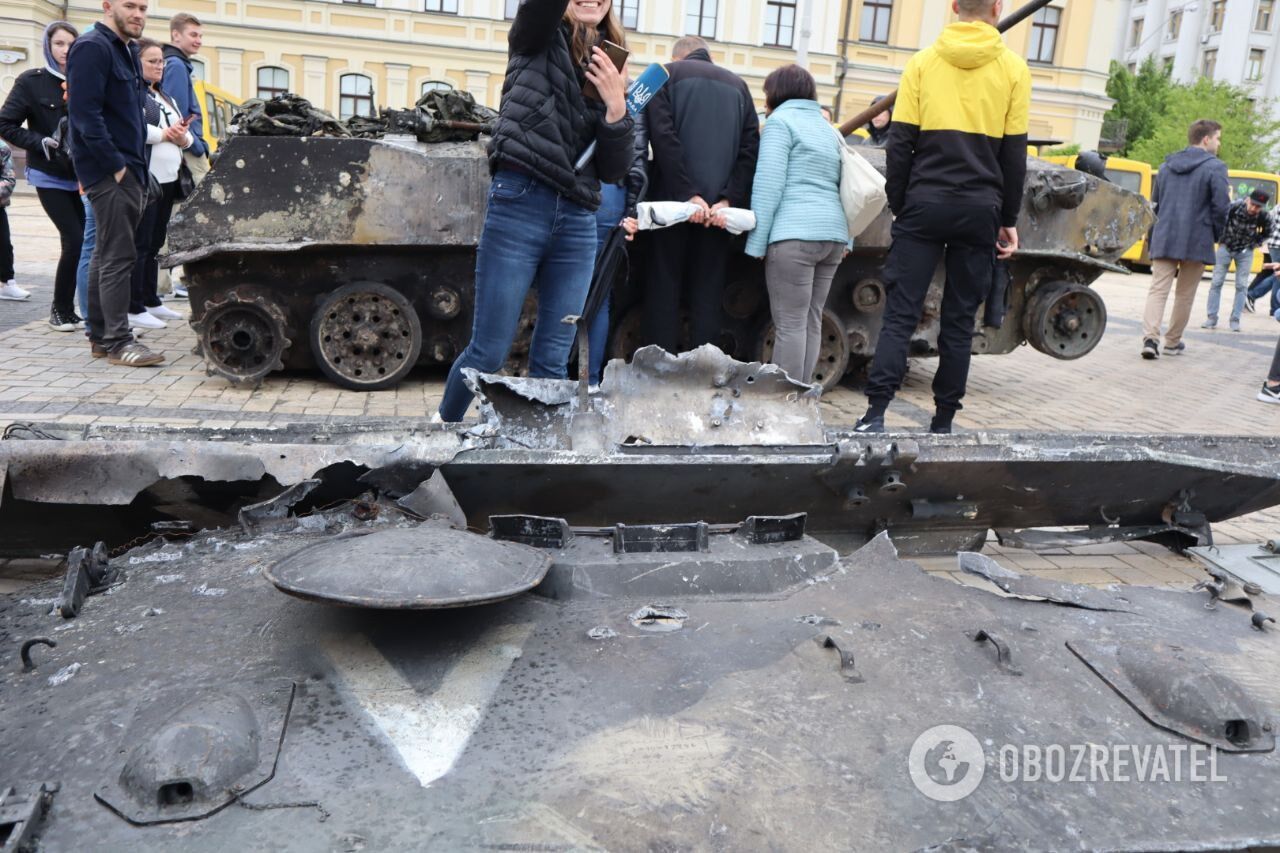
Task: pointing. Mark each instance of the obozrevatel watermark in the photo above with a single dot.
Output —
(948, 763)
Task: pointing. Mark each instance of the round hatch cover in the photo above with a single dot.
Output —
(429, 566)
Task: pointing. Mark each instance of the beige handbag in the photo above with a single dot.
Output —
(862, 193)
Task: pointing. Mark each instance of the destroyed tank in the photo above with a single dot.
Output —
(403, 637)
(357, 256)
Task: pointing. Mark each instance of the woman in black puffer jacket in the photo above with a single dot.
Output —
(540, 223)
(37, 101)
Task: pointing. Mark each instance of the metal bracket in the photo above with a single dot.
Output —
(847, 669)
(1004, 658)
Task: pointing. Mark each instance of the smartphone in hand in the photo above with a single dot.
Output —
(617, 55)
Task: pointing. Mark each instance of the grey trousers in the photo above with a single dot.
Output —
(117, 209)
(798, 274)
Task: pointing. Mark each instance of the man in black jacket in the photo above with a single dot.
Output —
(108, 147)
(705, 135)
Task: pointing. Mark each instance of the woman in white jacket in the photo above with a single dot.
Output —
(167, 135)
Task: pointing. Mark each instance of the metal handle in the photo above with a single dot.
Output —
(25, 653)
(847, 669)
(1004, 658)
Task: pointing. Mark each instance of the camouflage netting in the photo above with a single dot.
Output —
(448, 115)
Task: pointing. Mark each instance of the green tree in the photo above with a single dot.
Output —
(1140, 98)
(1249, 134)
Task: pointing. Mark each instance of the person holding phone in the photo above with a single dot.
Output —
(168, 135)
(540, 223)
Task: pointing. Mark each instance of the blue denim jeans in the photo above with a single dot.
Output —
(1267, 284)
(1244, 263)
(86, 253)
(532, 237)
(613, 203)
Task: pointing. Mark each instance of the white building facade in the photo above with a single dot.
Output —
(1234, 41)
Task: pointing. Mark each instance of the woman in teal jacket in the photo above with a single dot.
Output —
(801, 230)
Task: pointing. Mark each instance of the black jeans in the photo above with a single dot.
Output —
(922, 234)
(150, 236)
(685, 257)
(117, 208)
(67, 212)
(6, 248)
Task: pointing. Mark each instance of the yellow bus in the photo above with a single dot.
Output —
(216, 108)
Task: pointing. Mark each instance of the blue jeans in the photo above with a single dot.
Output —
(1267, 284)
(86, 253)
(613, 203)
(532, 237)
(1244, 262)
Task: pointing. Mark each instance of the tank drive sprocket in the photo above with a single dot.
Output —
(1065, 319)
(243, 336)
(366, 336)
(833, 354)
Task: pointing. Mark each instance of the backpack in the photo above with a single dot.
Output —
(862, 193)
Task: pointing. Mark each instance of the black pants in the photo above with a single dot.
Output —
(685, 258)
(117, 208)
(67, 212)
(148, 239)
(922, 234)
(6, 248)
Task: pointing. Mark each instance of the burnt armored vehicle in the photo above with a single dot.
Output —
(356, 256)
(520, 636)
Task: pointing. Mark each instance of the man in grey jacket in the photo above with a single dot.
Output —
(1191, 205)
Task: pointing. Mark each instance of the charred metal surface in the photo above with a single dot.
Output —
(21, 813)
(284, 222)
(668, 720)
(429, 566)
(1256, 564)
(1024, 586)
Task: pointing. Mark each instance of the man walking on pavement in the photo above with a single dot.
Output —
(955, 162)
(108, 148)
(705, 134)
(1248, 227)
(1191, 208)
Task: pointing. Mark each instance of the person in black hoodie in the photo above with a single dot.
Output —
(540, 225)
(877, 129)
(705, 136)
(37, 101)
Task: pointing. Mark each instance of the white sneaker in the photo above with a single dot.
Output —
(164, 313)
(146, 321)
(179, 290)
(435, 418)
(9, 290)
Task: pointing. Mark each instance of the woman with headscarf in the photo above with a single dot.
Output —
(37, 101)
(540, 223)
(167, 137)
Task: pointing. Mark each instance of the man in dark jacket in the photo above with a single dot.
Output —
(108, 147)
(186, 35)
(1191, 209)
(705, 134)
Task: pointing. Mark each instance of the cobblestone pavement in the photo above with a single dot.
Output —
(50, 376)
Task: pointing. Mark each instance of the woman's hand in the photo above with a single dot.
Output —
(610, 83)
(176, 133)
(630, 225)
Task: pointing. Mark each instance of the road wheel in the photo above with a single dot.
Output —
(366, 336)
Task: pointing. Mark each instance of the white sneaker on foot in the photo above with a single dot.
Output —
(11, 291)
(146, 321)
(164, 313)
(179, 290)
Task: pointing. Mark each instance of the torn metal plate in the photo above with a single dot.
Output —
(430, 566)
(1255, 564)
(190, 753)
(1025, 586)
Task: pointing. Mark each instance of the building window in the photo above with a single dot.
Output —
(197, 69)
(700, 19)
(629, 11)
(448, 7)
(1262, 20)
(1044, 35)
(1135, 33)
(1216, 14)
(272, 81)
(779, 22)
(1175, 26)
(1209, 63)
(360, 2)
(1253, 71)
(355, 96)
(875, 21)
(433, 86)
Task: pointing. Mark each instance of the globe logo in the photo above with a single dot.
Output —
(946, 763)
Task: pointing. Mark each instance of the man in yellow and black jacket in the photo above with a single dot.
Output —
(955, 164)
